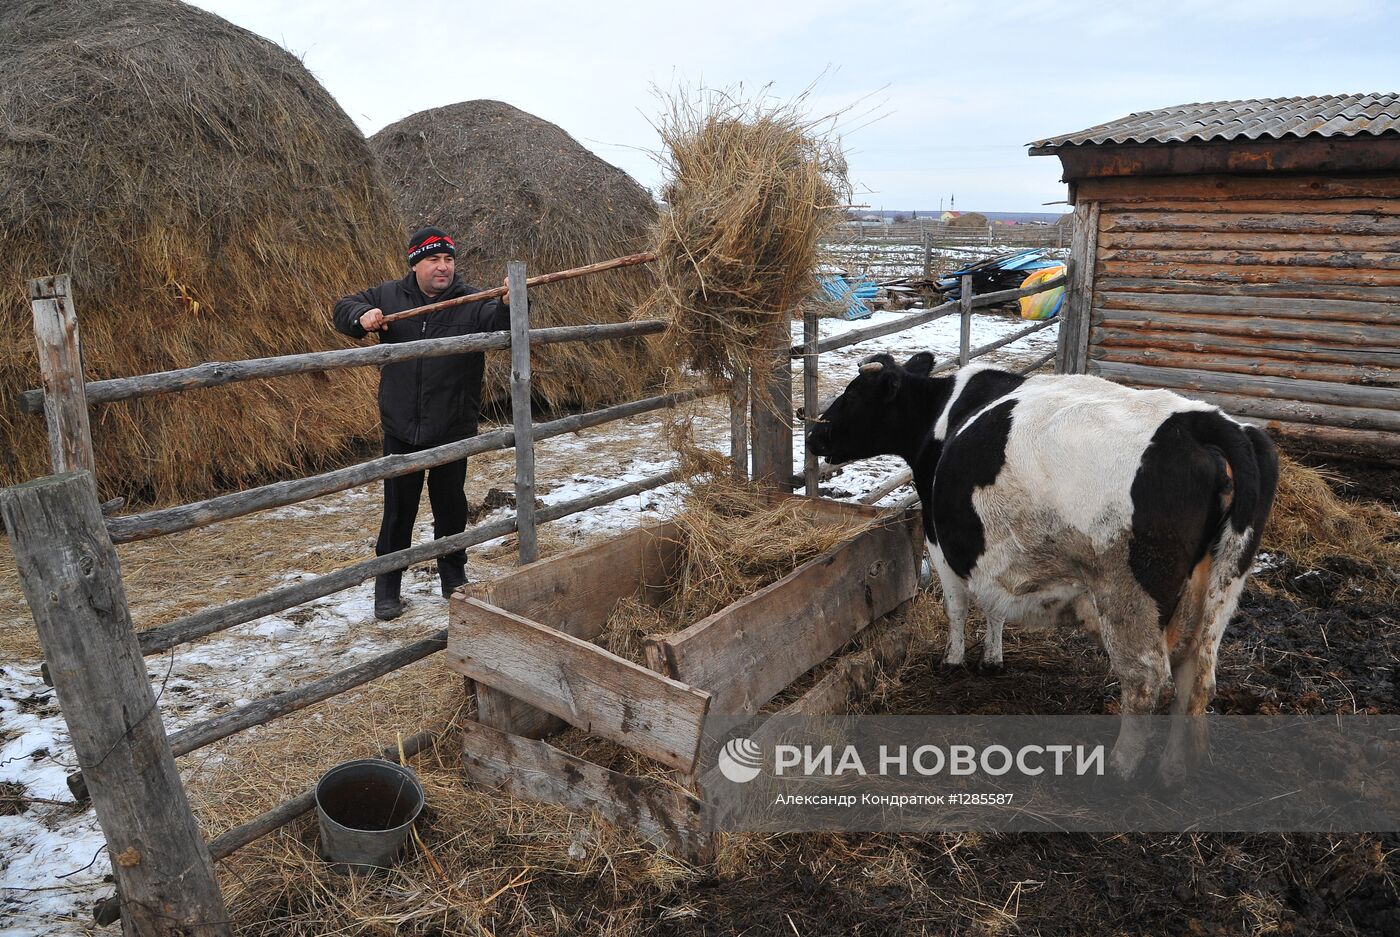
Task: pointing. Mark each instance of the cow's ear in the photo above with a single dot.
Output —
(920, 364)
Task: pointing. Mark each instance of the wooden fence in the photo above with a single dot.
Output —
(64, 549)
(883, 249)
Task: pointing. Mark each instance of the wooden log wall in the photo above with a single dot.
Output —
(1276, 297)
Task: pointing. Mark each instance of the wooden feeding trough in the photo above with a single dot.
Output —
(525, 642)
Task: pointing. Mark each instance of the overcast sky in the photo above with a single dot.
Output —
(958, 87)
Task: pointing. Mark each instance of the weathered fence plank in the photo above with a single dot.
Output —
(61, 369)
(520, 413)
(537, 771)
(72, 580)
(811, 361)
(581, 683)
(748, 652)
(218, 373)
(770, 408)
(202, 513)
(223, 617)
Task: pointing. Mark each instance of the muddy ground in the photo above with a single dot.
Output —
(1303, 641)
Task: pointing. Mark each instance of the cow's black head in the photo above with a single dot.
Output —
(869, 417)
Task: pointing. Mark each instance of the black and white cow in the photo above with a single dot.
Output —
(1135, 512)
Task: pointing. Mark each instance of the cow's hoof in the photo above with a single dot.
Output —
(952, 670)
(990, 668)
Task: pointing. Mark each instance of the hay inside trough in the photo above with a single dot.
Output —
(510, 186)
(735, 540)
(211, 201)
(753, 190)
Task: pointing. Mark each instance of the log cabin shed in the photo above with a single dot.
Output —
(1246, 253)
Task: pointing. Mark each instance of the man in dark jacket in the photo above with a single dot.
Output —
(425, 402)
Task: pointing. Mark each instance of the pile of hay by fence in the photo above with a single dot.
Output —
(211, 202)
(1313, 527)
(752, 192)
(510, 186)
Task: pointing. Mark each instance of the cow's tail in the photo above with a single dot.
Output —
(1215, 587)
(1253, 468)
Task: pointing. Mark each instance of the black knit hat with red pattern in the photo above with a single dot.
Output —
(428, 241)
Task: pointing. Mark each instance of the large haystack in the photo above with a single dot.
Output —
(510, 186)
(211, 201)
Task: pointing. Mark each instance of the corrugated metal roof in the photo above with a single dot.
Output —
(1334, 115)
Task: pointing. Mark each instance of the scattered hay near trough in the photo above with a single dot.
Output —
(510, 186)
(211, 201)
(736, 540)
(1316, 529)
(753, 190)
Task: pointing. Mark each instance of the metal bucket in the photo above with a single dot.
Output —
(366, 809)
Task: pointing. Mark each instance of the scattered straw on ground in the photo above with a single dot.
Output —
(752, 191)
(1314, 527)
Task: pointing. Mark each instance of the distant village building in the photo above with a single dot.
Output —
(1246, 253)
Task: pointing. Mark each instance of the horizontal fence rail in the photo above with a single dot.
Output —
(223, 617)
(166, 521)
(218, 373)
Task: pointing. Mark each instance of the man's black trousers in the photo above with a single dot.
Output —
(448, 497)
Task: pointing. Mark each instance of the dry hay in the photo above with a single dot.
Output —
(510, 186)
(211, 202)
(1315, 528)
(970, 219)
(753, 190)
(735, 540)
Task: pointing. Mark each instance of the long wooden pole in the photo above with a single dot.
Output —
(72, 580)
(811, 335)
(213, 620)
(218, 373)
(278, 494)
(631, 260)
(965, 308)
(520, 412)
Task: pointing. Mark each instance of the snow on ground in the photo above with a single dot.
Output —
(51, 866)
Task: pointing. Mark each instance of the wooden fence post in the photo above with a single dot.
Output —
(965, 307)
(739, 424)
(61, 370)
(770, 403)
(928, 255)
(1079, 290)
(520, 412)
(72, 580)
(811, 334)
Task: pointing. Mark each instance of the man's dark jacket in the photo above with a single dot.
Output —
(426, 401)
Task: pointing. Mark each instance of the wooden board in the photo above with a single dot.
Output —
(1283, 221)
(1337, 310)
(1172, 357)
(575, 592)
(579, 682)
(539, 772)
(1272, 206)
(1202, 268)
(1247, 241)
(1225, 287)
(1277, 388)
(1361, 260)
(1359, 334)
(1299, 412)
(1133, 335)
(1213, 188)
(749, 652)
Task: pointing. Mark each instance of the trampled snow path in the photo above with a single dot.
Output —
(48, 877)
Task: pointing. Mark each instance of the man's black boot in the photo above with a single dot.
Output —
(453, 574)
(387, 604)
